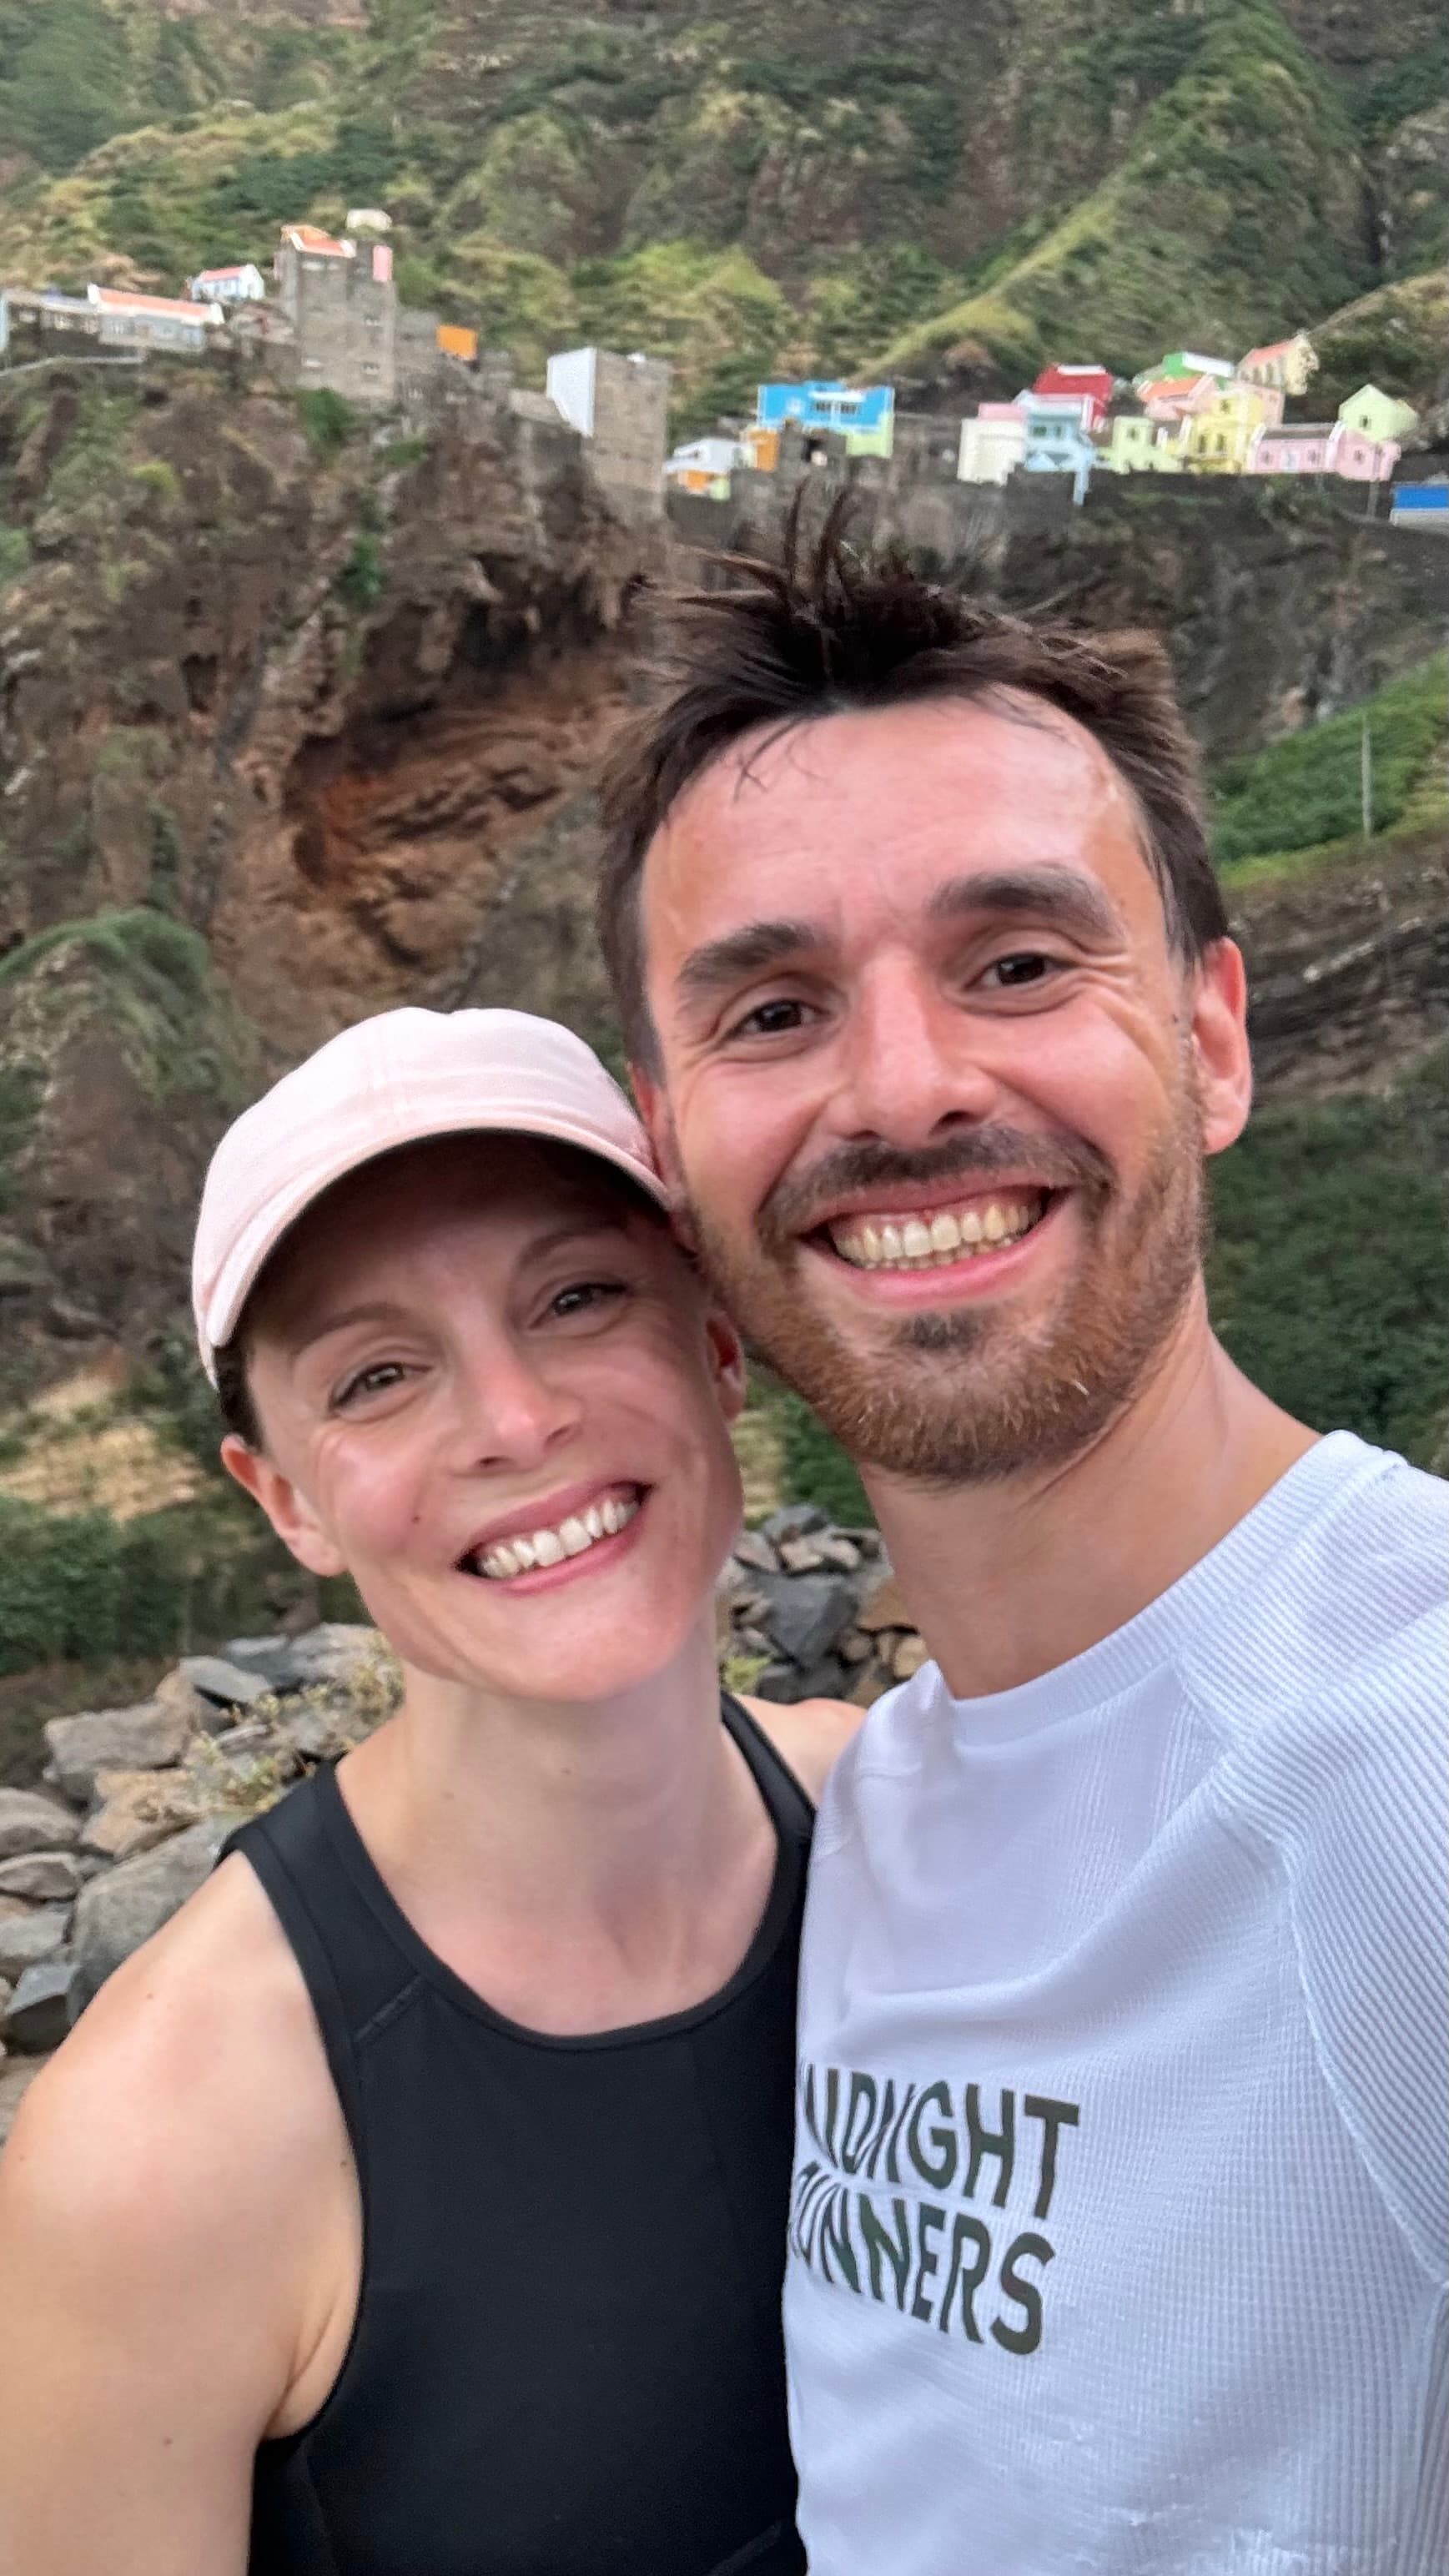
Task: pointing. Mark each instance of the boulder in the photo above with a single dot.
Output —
(806, 1613)
(39, 2014)
(794, 1520)
(274, 1660)
(30, 1823)
(119, 1911)
(225, 1684)
(26, 1939)
(42, 1877)
(909, 1656)
(138, 1809)
(335, 1650)
(884, 1607)
(753, 1550)
(150, 1737)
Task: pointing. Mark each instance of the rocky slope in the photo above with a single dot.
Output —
(950, 188)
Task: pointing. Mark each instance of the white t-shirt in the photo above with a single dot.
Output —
(1119, 2215)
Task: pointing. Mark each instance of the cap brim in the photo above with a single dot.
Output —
(249, 1256)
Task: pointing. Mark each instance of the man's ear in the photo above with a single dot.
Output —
(658, 1119)
(1219, 1032)
(289, 1512)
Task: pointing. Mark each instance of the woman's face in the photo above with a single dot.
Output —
(492, 1392)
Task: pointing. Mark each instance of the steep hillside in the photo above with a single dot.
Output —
(953, 189)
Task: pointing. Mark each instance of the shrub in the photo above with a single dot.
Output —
(327, 418)
(362, 578)
(1305, 790)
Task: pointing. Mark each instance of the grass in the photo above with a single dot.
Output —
(1304, 794)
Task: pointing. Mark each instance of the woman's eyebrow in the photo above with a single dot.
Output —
(377, 1311)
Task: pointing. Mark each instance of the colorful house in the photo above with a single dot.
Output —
(993, 443)
(760, 448)
(1170, 400)
(863, 415)
(1321, 447)
(1283, 365)
(1216, 438)
(1185, 362)
(1139, 445)
(241, 285)
(704, 465)
(1092, 385)
(1379, 415)
(1058, 441)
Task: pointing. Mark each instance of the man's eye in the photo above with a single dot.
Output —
(1027, 966)
(771, 1020)
(584, 1296)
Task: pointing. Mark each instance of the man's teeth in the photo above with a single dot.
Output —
(929, 1243)
(572, 1537)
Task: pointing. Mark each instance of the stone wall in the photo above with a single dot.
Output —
(135, 1804)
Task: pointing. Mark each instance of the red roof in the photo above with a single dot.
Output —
(112, 300)
(1085, 379)
(311, 237)
(238, 269)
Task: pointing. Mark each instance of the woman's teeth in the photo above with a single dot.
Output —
(573, 1537)
(930, 1242)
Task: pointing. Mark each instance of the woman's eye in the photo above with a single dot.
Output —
(771, 1020)
(1027, 966)
(370, 1381)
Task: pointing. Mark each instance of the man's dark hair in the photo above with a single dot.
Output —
(823, 631)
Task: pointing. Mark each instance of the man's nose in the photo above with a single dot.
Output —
(909, 1065)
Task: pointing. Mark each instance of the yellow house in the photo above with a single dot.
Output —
(1136, 444)
(1216, 440)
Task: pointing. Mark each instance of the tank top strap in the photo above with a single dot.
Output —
(793, 1813)
(354, 1972)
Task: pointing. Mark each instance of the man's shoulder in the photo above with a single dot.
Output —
(193, 2085)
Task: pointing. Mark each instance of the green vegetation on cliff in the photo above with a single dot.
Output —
(932, 189)
(1306, 790)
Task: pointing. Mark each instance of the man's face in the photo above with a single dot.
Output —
(931, 1079)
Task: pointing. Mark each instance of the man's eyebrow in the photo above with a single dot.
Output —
(1062, 897)
(722, 963)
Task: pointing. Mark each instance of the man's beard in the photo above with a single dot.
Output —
(973, 1395)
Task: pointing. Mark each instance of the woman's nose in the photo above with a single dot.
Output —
(510, 1412)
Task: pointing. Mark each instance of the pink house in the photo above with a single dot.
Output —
(1322, 447)
(1169, 399)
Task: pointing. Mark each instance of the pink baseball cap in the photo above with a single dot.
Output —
(387, 1082)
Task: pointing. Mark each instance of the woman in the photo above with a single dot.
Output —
(414, 2204)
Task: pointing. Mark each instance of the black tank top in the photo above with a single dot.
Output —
(567, 2355)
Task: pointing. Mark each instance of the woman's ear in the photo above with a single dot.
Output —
(727, 1361)
(288, 1510)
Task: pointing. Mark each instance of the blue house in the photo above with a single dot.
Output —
(863, 415)
(1058, 441)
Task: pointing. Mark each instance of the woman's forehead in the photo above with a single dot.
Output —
(524, 1193)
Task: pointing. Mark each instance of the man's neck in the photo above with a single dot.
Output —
(1009, 1580)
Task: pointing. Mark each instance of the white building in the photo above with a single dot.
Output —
(244, 284)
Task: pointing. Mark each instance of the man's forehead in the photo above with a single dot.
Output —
(857, 798)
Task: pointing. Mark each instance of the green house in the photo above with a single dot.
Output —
(1378, 415)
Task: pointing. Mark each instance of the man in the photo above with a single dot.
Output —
(1118, 2223)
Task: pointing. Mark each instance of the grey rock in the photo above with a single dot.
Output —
(30, 1823)
(45, 1877)
(39, 2014)
(796, 1520)
(6, 1991)
(779, 1682)
(332, 1651)
(119, 1911)
(226, 1684)
(149, 1737)
(273, 1659)
(753, 1549)
(807, 1613)
(28, 1938)
(802, 1556)
(842, 1553)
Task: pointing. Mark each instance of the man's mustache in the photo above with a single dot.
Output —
(980, 1153)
